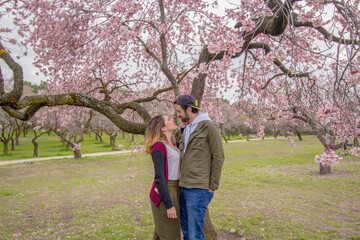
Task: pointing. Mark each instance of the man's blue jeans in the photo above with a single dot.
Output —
(193, 205)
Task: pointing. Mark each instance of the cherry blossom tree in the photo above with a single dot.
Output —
(291, 57)
(7, 130)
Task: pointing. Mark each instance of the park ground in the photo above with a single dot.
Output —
(268, 190)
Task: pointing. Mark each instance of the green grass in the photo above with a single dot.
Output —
(50, 146)
(268, 189)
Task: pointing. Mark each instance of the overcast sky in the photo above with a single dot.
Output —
(26, 62)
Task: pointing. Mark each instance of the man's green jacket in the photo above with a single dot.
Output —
(203, 159)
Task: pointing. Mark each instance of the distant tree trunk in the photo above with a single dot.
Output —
(247, 138)
(228, 136)
(6, 149)
(225, 139)
(209, 230)
(299, 135)
(132, 137)
(12, 144)
(24, 133)
(324, 169)
(96, 136)
(77, 154)
(356, 142)
(100, 137)
(36, 147)
(112, 141)
(17, 134)
(123, 133)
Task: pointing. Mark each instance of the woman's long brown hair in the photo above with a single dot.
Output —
(154, 134)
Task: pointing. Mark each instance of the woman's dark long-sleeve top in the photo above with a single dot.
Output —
(160, 178)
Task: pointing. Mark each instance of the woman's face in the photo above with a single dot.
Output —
(169, 124)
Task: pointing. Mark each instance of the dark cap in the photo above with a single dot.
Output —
(187, 101)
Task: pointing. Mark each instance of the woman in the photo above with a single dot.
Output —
(165, 191)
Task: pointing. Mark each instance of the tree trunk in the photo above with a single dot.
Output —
(36, 148)
(356, 142)
(247, 138)
(209, 230)
(96, 136)
(113, 138)
(225, 139)
(325, 169)
(17, 139)
(77, 154)
(123, 135)
(24, 133)
(6, 149)
(228, 136)
(299, 136)
(12, 144)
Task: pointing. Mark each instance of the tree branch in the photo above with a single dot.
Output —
(17, 91)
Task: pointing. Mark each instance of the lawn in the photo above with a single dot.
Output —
(268, 189)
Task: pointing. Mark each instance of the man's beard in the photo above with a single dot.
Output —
(186, 118)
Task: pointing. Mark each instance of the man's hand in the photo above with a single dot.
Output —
(171, 213)
(210, 190)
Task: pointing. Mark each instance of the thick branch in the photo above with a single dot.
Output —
(17, 91)
(35, 102)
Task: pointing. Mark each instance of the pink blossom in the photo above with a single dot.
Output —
(355, 151)
(77, 146)
(328, 158)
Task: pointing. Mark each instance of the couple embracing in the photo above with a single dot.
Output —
(186, 174)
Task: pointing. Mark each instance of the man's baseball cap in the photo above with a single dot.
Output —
(187, 101)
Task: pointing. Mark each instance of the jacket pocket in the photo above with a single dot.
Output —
(199, 141)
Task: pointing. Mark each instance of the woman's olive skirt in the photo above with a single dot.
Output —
(167, 228)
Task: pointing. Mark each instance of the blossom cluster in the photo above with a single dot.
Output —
(355, 151)
(354, 76)
(328, 158)
(77, 146)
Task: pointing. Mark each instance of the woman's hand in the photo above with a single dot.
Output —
(171, 213)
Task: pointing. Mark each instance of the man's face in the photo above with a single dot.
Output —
(181, 113)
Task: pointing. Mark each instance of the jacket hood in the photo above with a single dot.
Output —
(200, 118)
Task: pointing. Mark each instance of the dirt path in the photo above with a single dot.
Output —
(62, 157)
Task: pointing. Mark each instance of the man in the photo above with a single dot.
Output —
(202, 160)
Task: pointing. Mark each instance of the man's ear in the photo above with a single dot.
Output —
(188, 110)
